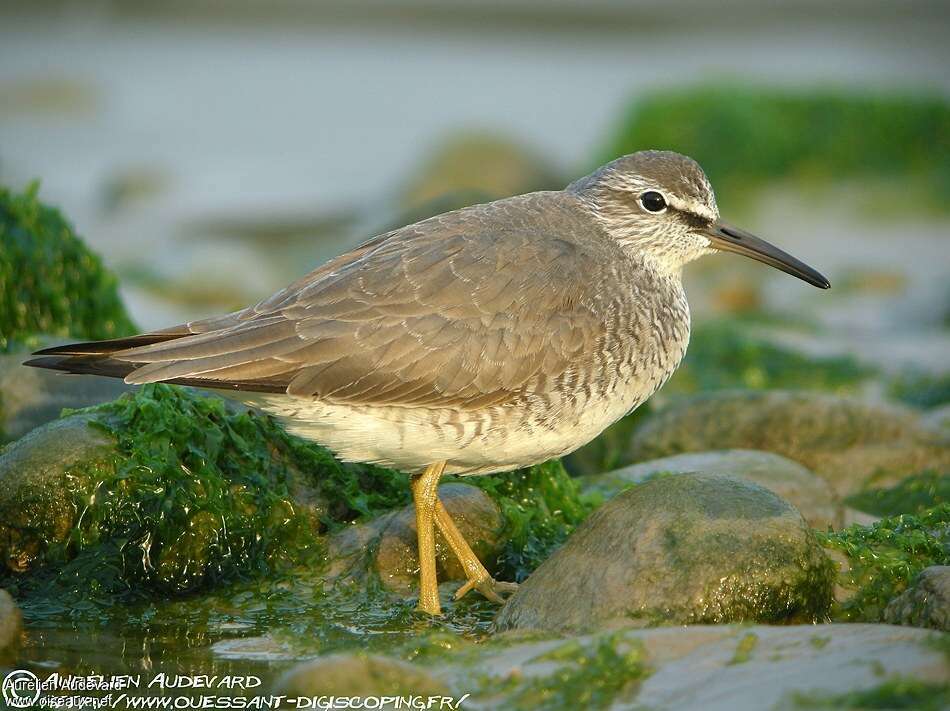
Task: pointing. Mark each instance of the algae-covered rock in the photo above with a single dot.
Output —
(11, 622)
(39, 505)
(879, 562)
(709, 668)
(848, 442)
(352, 675)
(808, 493)
(926, 603)
(30, 397)
(50, 283)
(165, 490)
(387, 544)
(686, 548)
(914, 494)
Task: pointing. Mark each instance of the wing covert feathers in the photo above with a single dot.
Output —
(465, 310)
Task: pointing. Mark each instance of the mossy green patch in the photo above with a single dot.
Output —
(724, 355)
(914, 494)
(746, 136)
(896, 693)
(541, 506)
(885, 557)
(195, 494)
(745, 648)
(923, 390)
(50, 283)
(587, 675)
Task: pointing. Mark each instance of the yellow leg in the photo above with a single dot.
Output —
(425, 496)
(478, 577)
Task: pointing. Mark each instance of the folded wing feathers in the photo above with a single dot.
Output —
(421, 323)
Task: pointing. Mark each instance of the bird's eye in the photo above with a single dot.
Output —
(652, 201)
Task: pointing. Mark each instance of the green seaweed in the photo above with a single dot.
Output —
(50, 283)
(914, 494)
(746, 136)
(884, 558)
(197, 493)
(723, 355)
(589, 675)
(744, 649)
(896, 693)
(541, 506)
(919, 389)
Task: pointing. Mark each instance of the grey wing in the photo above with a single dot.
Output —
(459, 311)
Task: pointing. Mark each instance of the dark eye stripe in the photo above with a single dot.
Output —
(692, 219)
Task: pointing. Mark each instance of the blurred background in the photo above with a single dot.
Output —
(212, 151)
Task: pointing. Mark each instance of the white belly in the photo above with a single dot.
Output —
(491, 440)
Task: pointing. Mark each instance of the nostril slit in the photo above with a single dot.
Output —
(729, 233)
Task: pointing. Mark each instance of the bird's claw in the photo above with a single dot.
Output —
(489, 587)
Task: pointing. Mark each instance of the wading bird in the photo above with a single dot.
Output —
(478, 341)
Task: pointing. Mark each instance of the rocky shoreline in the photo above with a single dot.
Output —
(775, 534)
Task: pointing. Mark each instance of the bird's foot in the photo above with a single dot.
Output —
(492, 589)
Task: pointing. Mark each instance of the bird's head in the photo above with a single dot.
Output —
(661, 204)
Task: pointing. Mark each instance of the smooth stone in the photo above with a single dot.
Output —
(926, 603)
(11, 621)
(36, 506)
(30, 397)
(352, 675)
(848, 442)
(730, 667)
(679, 549)
(387, 545)
(807, 492)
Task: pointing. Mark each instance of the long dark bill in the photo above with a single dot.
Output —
(731, 239)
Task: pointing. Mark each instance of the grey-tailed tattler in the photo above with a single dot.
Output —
(477, 341)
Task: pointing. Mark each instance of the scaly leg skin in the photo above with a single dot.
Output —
(478, 577)
(425, 495)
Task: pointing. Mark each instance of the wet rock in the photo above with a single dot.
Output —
(809, 493)
(713, 668)
(846, 441)
(30, 397)
(387, 544)
(926, 603)
(679, 549)
(351, 675)
(175, 491)
(11, 622)
(36, 502)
